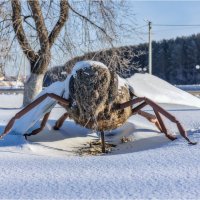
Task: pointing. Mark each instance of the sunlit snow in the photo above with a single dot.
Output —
(47, 166)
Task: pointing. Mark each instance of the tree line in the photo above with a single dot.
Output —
(175, 60)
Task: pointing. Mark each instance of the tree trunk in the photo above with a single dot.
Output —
(39, 60)
(32, 87)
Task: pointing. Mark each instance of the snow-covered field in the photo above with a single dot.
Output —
(149, 166)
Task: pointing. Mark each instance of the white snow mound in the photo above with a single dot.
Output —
(160, 91)
(27, 121)
(85, 64)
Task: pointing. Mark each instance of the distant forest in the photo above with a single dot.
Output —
(173, 60)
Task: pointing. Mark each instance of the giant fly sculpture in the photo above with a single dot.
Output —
(94, 97)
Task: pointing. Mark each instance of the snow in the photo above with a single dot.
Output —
(85, 64)
(121, 82)
(78, 66)
(11, 84)
(149, 166)
(11, 87)
(66, 85)
(158, 90)
(33, 116)
(189, 87)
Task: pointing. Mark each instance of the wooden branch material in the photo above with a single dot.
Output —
(163, 127)
(103, 146)
(139, 107)
(148, 116)
(43, 123)
(60, 121)
(64, 12)
(19, 31)
(92, 23)
(130, 103)
(158, 109)
(40, 25)
(31, 106)
(152, 118)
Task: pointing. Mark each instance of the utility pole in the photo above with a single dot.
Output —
(150, 48)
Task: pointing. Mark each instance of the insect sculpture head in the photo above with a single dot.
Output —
(94, 92)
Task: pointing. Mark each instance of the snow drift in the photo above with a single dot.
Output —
(160, 91)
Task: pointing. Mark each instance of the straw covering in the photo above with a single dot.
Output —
(94, 92)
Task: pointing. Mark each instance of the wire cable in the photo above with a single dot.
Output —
(175, 24)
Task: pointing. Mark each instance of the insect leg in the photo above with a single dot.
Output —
(103, 142)
(60, 121)
(43, 123)
(152, 118)
(30, 107)
(158, 110)
(164, 129)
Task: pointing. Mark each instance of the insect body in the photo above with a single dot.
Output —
(93, 97)
(94, 94)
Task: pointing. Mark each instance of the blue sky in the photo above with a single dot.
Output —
(166, 12)
(161, 12)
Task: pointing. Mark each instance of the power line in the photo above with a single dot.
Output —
(140, 27)
(176, 24)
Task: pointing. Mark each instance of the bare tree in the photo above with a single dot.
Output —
(3, 53)
(4, 40)
(60, 30)
(40, 59)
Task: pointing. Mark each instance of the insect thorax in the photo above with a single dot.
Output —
(94, 93)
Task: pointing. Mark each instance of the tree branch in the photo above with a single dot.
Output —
(91, 22)
(64, 11)
(40, 25)
(19, 31)
(29, 24)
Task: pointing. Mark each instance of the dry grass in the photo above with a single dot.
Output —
(95, 148)
(94, 93)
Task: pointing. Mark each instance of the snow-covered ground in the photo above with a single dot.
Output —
(149, 166)
(8, 84)
(189, 87)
